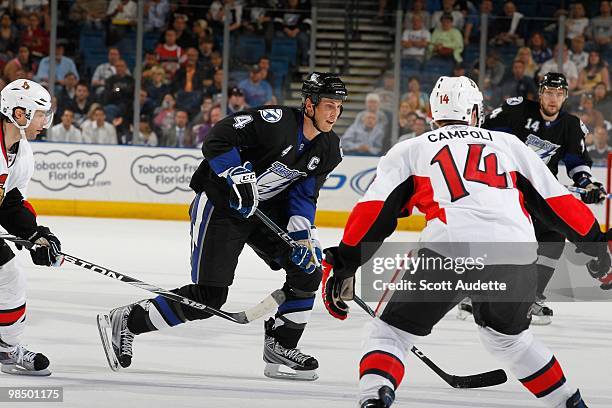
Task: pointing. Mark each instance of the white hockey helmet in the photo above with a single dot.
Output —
(29, 96)
(455, 98)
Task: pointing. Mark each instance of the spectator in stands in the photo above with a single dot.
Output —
(201, 30)
(23, 9)
(569, 68)
(204, 113)
(9, 38)
(257, 91)
(415, 86)
(294, 25)
(419, 127)
(416, 105)
(600, 148)
(98, 130)
(471, 31)
(385, 92)
(200, 131)
(80, 104)
(105, 71)
(145, 135)
(418, 9)
(508, 27)
(178, 135)
(190, 77)
(35, 38)
(448, 7)
(119, 90)
(164, 114)
(150, 62)
(156, 12)
(170, 54)
(494, 69)
(22, 62)
(364, 136)
(539, 49)
(184, 37)
(89, 13)
(577, 55)
(577, 22)
(236, 102)
(459, 70)
(216, 64)
(519, 84)
(266, 73)
(524, 54)
(216, 89)
(595, 72)
(147, 106)
(447, 41)
(259, 22)
(68, 91)
(415, 40)
(157, 85)
(590, 116)
(63, 66)
(600, 30)
(372, 104)
(65, 131)
(216, 15)
(406, 118)
(206, 47)
(602, 99)
(122, 15)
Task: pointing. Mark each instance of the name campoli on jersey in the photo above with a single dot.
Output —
(459, 134)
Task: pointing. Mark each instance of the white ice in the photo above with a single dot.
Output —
(215, 363)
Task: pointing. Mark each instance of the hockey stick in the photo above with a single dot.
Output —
(488, 379)
(262, 308)
(584, 191)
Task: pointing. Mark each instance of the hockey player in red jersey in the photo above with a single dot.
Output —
(25, 112)
(470, 184)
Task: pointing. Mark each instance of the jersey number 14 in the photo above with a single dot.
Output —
(471, 172)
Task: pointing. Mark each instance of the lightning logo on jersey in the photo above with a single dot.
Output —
(275, 179)
(543, 148)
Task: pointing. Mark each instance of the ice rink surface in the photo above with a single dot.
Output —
(215, 363)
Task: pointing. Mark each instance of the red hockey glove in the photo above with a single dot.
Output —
(336, 291)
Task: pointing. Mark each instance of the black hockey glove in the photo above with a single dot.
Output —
(336, 290)
(244, 197)
(47, 248)
(596, 192)
(599, 268)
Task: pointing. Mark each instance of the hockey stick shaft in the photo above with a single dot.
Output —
(584, 191)
(243, 317)
(487, 379)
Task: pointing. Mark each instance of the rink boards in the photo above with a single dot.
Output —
(153, 183)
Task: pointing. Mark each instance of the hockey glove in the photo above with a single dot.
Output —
(599, 268)
(596, 192)
(244, 197)
(308, 254)
(47, 248)
(336, 291)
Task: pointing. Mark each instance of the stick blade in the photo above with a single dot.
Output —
(488, 379)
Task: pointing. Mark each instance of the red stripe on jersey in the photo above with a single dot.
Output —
(573, 212)
(546, 380)
(382, 363)
(521, 198)
(29, 206)
(360, 221)
(10, 316)
(423, 199)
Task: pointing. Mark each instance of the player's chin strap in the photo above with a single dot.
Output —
(312, 118)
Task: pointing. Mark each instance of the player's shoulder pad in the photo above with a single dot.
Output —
(575, 124)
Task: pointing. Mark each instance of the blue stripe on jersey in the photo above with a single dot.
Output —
(502, 129)
(298, 304)
(197, 254)
(167, 312)
(225, 161)
(301, 199)
(573, 160)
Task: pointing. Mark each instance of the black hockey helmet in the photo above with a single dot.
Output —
(554, 80)
(323, 85)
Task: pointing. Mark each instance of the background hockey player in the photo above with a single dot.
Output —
(467, 186)
(555, 135)
(26, 111)
(275, 158)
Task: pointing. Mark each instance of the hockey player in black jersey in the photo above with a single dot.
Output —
(555, 135)
(274, 158)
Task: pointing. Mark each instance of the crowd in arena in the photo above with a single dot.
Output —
(182, 73)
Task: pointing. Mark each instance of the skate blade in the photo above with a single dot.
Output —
(541, 320)
(103, 322)
(16, 370)
(282, 372)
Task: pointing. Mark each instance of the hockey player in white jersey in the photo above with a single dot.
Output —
(25, 108)
(470, 184)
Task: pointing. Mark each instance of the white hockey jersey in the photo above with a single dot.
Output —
(16, 169)
(472, 185)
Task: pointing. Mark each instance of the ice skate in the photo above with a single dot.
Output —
(117, 345)
(464, 309)
(21, 361)
(286, 363)
(385, 399)
(541, 315)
